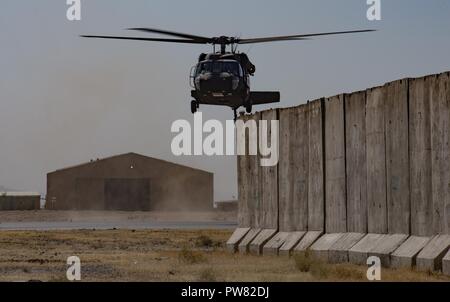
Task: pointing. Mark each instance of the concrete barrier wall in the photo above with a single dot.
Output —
(374, 161)
(420, 156)
(397, 158)
(335, 186)
(249, 205)
(440, 152)
(293, 169)
(268, 183)
(356, 163)
(316, 174)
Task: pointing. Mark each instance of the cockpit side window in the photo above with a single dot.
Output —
(203, 68)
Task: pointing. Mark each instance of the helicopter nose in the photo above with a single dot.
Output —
(217, 83)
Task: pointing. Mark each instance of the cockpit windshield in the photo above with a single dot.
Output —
(219, 67)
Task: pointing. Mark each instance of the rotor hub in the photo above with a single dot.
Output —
(224, 40)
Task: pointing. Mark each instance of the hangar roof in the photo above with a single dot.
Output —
(127, 154)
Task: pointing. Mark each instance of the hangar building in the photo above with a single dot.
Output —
(130, 182)
(19, 201)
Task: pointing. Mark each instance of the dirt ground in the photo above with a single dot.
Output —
(165, 255)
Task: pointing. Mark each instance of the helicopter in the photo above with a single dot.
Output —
(223, 77)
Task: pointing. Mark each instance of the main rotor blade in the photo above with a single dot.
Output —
(266, 40)
(146, 39)
(174, 34)
(298, 37)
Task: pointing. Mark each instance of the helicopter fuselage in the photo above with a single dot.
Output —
(221, 81)
(224, 80)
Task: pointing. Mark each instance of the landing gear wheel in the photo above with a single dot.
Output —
(248, 107)
(194, 106)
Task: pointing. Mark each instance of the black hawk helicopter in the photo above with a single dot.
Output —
(223, 77)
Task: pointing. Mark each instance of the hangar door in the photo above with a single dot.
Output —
(128, 194)
(89, 194)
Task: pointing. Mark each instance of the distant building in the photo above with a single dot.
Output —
(19, 201)
(226, 206)
(130, 182)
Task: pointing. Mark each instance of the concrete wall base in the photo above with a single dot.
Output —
(291, 241)
(338, 252)
(274, 244)
(256, 246)
(321, 247)
(243, 246)
(430, 258)
(386, 246)
(359, 253)
(446, 264)
(308, 239)
(405, 255)
(235, 239)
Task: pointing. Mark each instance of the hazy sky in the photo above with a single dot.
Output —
(65, 100)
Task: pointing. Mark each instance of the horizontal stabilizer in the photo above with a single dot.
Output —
(264, 97)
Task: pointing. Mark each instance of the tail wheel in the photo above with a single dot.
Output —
(194, 106)
(248, 107)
